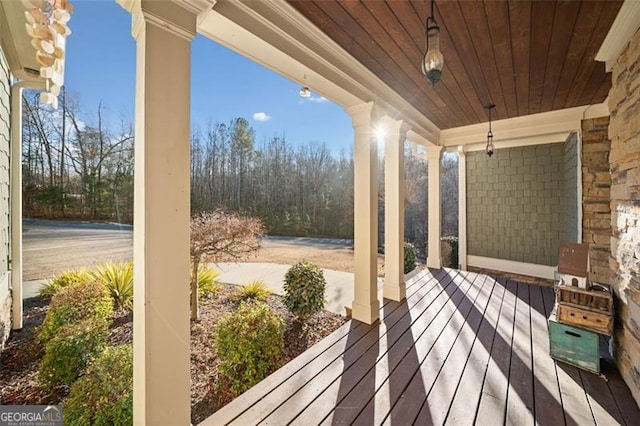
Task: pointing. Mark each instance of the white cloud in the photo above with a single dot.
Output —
(261, 116)
(318, 99)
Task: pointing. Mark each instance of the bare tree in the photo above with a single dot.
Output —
(218, 236)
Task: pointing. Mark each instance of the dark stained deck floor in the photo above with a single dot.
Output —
(463, 348)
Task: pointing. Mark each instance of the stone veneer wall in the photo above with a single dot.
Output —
(515, 203)
(571, 189)
(596, 181)
(624, 158)
(5, 293)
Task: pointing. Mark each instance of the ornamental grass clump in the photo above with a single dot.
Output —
(103, 396)
(254, 290)
(65, 279)
(208, 284)
(118, 278)
(250, 344)
(87, 301)
(304, 286)
(70, 350)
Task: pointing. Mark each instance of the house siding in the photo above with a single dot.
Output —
(624, 161)
(5, 292)
(515, 203)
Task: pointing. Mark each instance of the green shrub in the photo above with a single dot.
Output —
(104, 394)
(118, 278)
(250, 343)
(254, 290)
(409, 257)
(65, 279)
(86, 301)
(453, 243)
(70, 350)
(208, 281)
(304, 286)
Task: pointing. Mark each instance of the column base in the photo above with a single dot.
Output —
(395, 292)
(434, 262)
(366, 313)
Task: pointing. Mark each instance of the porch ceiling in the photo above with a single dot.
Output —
(526, 57)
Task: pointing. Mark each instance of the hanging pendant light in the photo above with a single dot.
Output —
(433, 61)
(305, 92)
(490, 147)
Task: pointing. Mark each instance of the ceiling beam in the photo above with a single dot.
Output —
(534, 129)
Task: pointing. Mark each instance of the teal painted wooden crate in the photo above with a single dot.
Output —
(573, 345)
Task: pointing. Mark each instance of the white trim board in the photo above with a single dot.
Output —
(625, 25)
(511, 266)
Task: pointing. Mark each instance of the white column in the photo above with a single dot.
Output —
(462, 209)
(365, 305)
(434, 259)
(394, 285)
(16, 207)
(15, 197)
(161, 390)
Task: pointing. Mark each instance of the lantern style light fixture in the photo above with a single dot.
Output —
(490, 148)
(433, 61)
(305, 92)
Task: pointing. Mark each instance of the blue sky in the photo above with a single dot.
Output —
(100, 67)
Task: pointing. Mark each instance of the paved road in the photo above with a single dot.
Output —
(50, 247)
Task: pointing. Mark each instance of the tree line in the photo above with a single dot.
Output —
(83, 169)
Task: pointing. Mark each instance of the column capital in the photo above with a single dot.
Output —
(394, 126)
(433, 152)
(176, 16)
(362, 116)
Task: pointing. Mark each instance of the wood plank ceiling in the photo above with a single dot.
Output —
(524, 56)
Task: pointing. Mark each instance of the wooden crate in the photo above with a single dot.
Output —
(585, 318)
(595, 300)
(574, 345)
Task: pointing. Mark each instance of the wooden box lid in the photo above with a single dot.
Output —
(573, 259)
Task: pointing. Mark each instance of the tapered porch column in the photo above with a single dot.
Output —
(365, 305)
(394, 285)
(462, 209)
(161, 384)
(434, 259)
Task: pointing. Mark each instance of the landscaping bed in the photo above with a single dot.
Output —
(21, 357)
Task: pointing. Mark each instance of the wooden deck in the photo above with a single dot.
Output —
(463, 348)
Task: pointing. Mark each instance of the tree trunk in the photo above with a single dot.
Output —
(195, 311)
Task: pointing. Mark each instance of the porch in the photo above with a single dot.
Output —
(462, 348)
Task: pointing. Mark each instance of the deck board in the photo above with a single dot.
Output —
(461, 349)
(467, 396)
(520, 402)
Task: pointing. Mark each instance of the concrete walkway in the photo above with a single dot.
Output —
(339, 291)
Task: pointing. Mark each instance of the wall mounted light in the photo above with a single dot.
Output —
(490, 148)
(433, 61)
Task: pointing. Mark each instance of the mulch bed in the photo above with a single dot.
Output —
(22, 354)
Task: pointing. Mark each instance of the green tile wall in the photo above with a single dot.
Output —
(515, 203)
